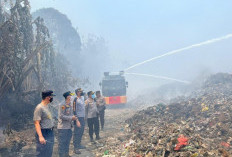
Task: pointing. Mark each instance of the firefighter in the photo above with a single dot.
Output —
(101, 106)
(92, 116)
(79, 111)
(65, 118)
(44, 124)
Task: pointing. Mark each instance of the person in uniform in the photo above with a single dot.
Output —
(44, 124)
(65, 118)
(79, 111)
(92, 116)
(101, 106)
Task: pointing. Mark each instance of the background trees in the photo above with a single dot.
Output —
(28, 63)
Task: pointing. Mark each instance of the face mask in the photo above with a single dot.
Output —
(82, 93)
(93, 96)
(51, 99)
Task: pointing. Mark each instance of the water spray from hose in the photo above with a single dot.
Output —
(159, 77)
(180, 50)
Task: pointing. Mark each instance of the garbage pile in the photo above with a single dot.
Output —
(196, 126)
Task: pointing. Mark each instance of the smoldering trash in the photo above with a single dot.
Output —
(195, 126)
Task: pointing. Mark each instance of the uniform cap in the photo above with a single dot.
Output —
(66, 94)
(47, 93)
(90, 93)
(78, 90)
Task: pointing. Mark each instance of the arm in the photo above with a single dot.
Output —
(76, 121)
(104, 101)
(37, 119)
(86, 109)
(74, 107)
(62, 116)
(39, 133)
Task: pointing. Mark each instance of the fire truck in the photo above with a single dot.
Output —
(113, 88)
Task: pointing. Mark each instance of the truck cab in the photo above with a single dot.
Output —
(114, 88)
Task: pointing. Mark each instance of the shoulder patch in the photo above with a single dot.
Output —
(63, 107)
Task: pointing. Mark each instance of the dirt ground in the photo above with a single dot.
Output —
(114, 127)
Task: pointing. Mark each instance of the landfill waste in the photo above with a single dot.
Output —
(176, 129)
(183, 141)
(106, 152)
(198, 125)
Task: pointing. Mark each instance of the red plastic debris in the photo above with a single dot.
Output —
(225, 144)
(183, 141)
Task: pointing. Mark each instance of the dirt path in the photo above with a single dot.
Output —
(23, 143)
(114, 125)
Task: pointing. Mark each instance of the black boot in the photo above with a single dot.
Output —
(98, 137)
(91, 139)
(76, 151)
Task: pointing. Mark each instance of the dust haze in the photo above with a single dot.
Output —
(175, 55)
(122, 34)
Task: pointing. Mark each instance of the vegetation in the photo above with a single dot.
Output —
(28, 63)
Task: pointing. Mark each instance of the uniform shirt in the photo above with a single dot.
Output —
(79, 106)
(100, 103)
(44, 115)
(65, 115)
(91, 108)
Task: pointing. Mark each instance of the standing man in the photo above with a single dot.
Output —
(101, 106)
(65, 118)
(92, 117)
(44, 124)
(79, 111)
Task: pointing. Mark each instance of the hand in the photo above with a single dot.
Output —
(74, 118)
(78, 124)
(42, 140)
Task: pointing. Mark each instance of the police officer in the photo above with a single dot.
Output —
(79, 111)
(101, 106)
(44, 124)
(65, 118)
(92, 116)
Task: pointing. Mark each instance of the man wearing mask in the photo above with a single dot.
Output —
(65, 118)
(44, 124)
(100, 101)
(92, 116)
(79, 111)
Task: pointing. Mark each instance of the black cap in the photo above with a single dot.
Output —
(66, 94)
(90, 93)
(78, 90)
(47, 93)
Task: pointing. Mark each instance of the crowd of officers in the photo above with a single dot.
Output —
(72, 113)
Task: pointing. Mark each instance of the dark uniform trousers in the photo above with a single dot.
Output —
(64, 138)
(102, 118)
(45, 150)
(93, 124)
(78, 132)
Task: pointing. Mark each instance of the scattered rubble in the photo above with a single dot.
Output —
(195, 126)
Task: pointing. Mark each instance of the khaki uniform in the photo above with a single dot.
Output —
(64, 128)
(101, 105)
(92, 117)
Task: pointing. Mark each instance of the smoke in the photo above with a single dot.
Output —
(181, 50)
(159, 77)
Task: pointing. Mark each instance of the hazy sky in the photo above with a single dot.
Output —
(136, 30)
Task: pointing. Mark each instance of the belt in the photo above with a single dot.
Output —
(48, 129)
